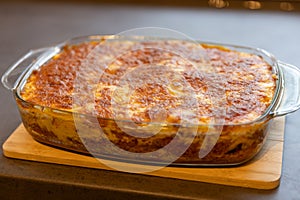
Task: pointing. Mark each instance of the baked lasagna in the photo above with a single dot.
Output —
(142, 93)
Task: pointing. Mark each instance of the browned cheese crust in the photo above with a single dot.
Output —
(246, 82)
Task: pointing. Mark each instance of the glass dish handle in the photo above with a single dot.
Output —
(290, 101)
(13, 74)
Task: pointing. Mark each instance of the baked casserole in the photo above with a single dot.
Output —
(152, 84)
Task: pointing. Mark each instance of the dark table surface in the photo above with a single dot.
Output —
(25, 26)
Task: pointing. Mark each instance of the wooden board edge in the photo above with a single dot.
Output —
(271, 183)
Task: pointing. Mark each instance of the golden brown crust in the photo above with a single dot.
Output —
(245, 81)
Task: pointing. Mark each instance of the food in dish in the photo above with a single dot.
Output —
(152, 83)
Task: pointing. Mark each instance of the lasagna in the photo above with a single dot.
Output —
(142, 93)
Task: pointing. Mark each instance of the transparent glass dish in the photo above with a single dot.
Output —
(229, 144)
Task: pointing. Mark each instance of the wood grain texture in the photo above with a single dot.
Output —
(262, 172)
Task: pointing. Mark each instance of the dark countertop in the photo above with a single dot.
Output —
(25, 26)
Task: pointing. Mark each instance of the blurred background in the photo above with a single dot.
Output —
(265, 24)
(283, 5)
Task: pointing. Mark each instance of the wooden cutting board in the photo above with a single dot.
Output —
(262, 172)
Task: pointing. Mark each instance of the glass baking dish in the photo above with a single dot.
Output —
(187, 144)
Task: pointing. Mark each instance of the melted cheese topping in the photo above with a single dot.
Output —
(162, 81)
